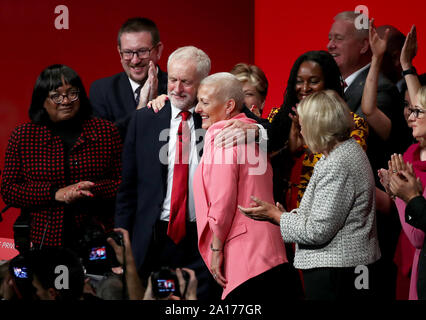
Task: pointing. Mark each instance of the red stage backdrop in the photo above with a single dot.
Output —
(223, 29)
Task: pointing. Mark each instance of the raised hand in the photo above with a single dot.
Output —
(295, 139)
(377, 44)
(150, 88)
(409, 50)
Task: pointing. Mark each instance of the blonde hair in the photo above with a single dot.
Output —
(421, 97)
(253, 75)
(325, 120)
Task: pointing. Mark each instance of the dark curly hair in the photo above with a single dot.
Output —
(280, 126)
(50, 79)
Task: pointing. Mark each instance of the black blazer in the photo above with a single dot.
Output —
(390, 102)
(144, 181)
(112, 98)
(415, 215)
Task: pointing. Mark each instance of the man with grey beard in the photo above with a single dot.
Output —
(155, 202)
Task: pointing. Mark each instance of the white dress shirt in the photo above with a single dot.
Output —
(353, 76)
(193, 163)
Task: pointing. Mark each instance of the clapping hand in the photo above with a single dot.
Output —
(263, 211)
(377, 44)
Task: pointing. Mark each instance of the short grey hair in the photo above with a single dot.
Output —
(351, 16)
(325, 119)
(201, 59)
(229, 87)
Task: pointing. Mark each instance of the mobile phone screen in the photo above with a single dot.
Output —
(20, 272)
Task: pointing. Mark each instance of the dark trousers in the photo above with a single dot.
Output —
(280, 283)
(339, 284)
(163, 252)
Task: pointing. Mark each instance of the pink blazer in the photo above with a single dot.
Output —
(224, 179)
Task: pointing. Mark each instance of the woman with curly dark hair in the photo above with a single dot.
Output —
(293, 163)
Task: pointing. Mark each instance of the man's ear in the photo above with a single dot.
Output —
(119, 49)
(365, 46)
(160, 48)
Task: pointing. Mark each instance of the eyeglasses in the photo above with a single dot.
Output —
(418, 113)
(59, 98)
(141, 53)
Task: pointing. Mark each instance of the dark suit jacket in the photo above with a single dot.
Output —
(112, 98)
(390, 102)
(415, 215)
(144, 181)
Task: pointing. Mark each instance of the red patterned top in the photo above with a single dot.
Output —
(34, 166)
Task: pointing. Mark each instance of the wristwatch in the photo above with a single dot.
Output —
(411, 70)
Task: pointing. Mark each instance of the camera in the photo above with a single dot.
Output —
(20, 269)
(98, 257)
(165, 282)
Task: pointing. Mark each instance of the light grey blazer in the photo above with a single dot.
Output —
(335, 224)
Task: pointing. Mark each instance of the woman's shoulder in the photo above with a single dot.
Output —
(28, 128)
(348, 153)
(409, 153)
(100, 125)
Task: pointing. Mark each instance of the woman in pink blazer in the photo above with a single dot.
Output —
(246, 258)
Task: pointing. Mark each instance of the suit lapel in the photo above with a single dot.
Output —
(126, 93)
(199, 134)
(353, 94)
(163, 117)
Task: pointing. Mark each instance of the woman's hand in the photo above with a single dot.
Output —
(158, 103)
(216, 268)
(395, 165)
(377, 44)
(263, 211)
(74, 192)
(409, 50)
(405, 185)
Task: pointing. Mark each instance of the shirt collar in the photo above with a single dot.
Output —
(353, 76)
(176, 111)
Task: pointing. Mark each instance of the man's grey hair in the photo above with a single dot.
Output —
(351, 16)
(192, 53)
(229, 87)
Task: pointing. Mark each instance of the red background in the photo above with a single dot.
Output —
(270, 33)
